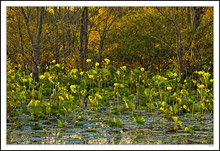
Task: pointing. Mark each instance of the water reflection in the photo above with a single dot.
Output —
(95, 131)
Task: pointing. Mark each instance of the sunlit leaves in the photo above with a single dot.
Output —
(139, 120)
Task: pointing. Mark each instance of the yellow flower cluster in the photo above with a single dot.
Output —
(96, 64)
(123, 68)
(201, 72)
(175, 74)
(116, 84)
(88, 60)
(73, 87)
(107, 61)
(90, 76)
(50, 79)
(24, 80)
(98, 96)
(81, 73)
(41, 77)
(200, 86)
(142, 69)
(169, 88)
(61, 98)
(118, 72)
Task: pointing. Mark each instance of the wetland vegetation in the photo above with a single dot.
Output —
(83, 81)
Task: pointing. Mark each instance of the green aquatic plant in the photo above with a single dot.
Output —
(139, 120)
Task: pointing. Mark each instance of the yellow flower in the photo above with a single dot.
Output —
(31, 75)
(41, 77)
(123, 68)
(175, 74)
(162, 109)
(181, 91)
(179, 99)
(72, 87)
(24, 80)
(200, 86)
(211, 80)
(116, 84)
(90, 76)
(207, 90)
(194, 81)
(171, 108)
(142, 69)
(107, 60)
(67, 96)
(169, 88)
(99, 96)
(201, 72)
(206, 74)
(185, 81)
(53, 61)
(88, 60)
(61, 98)
(81, 73)
(90, 99)
(118, 72)
(184, 106)
(96, 64)
(50, 79)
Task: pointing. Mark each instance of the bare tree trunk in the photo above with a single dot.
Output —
(188, 15)
(64, 55)
(86, 36)
(100, 50)
(57, 35)
(36, 48)
(196, 18)
(21, 40)
(68, 31)
(82, 37)
(35, 45)
(178, 44)
(103, 35)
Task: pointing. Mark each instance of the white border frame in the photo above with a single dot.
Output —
(214, 4)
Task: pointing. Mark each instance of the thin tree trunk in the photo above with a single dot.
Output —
(100, 50)
(64, 55)
(36, 48)
(82, 37)
(57, 35)
(68, 31)
(178, 43)
(196, 18)
(35, 44)
(86, 36)
(22, 44)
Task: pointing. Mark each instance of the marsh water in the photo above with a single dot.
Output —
(91, 129)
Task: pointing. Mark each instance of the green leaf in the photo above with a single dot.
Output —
(139, 120)
(60, 123)
(118, 122)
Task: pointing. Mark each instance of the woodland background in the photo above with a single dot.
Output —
(157, 39)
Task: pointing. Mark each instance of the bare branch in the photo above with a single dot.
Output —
(27, 25)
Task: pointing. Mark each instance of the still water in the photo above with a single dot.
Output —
(91, 129)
